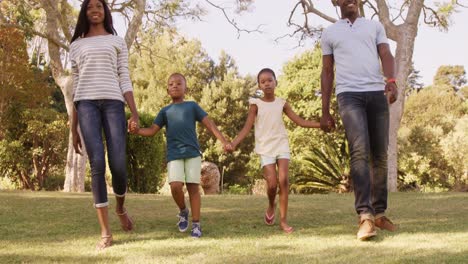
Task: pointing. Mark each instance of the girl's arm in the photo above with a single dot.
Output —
(146, 132)
(248, 125)
(211, 126)
(297, 119)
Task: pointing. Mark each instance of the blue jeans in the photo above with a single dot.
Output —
(94, 116)
(365, 118)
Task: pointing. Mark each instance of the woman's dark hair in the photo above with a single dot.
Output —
(82, 25)
(265, 70)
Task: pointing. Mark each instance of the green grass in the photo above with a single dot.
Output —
(39, 227)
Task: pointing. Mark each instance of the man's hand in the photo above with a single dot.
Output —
(327, 123)
(391, 91)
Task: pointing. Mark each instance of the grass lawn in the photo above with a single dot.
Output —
(42, 227)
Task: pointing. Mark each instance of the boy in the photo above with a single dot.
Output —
(183, 150)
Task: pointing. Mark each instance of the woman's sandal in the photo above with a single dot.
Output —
(129, 225)
(105, 242)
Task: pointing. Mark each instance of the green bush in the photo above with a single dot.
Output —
(145, 159)
(237, 189)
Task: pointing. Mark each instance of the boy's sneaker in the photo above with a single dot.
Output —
(196, 230)
(183, 220)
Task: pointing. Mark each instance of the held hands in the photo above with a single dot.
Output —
(391, 91)
(229, 147)
(327, 123)
(133, 124)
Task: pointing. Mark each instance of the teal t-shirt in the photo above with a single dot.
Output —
(180, 121)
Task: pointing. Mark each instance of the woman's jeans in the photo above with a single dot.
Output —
(94, 117)
(365, 118)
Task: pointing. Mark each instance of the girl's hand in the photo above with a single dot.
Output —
(327, 123)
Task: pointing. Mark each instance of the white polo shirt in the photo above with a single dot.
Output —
(354, 49)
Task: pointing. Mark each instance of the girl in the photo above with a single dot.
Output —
(271, 142)
(183, 150)
(101, 85)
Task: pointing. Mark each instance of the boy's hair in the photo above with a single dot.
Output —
(265, 70)
(177, 74)
(82, 25)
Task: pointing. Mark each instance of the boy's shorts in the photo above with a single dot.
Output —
(265, 160)
(184, 170)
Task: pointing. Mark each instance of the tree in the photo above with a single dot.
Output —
(54, 21)
(453, 76)
(18, 85)
(153, 64)
(429, 155)
(409, 15)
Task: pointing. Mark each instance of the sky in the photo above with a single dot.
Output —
(258, 50)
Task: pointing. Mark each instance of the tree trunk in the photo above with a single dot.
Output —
(403, 58)
(75, 170)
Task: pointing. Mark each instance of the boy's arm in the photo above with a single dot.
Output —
(210, 125)
(299, 120)
(147, 132)
(247, 126)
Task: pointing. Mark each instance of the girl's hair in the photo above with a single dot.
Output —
(82, 25)
(265, 70)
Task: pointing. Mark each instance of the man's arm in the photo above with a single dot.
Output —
(326, 80)
(388, 65)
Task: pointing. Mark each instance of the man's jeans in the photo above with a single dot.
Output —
(94, 116)
(366, 120)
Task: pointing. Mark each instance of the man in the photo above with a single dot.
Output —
(355, 45)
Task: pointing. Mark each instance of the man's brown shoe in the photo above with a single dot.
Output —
(366, 229)
(385, 223)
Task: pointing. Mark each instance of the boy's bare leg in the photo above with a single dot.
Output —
(195, 200)
(283, 166)
(269, 173)
(178, 194)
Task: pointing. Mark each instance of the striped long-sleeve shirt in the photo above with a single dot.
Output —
(100, 68)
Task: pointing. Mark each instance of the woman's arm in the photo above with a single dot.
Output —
(134, 118)
(74, 129)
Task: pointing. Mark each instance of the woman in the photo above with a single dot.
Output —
(101, 85)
